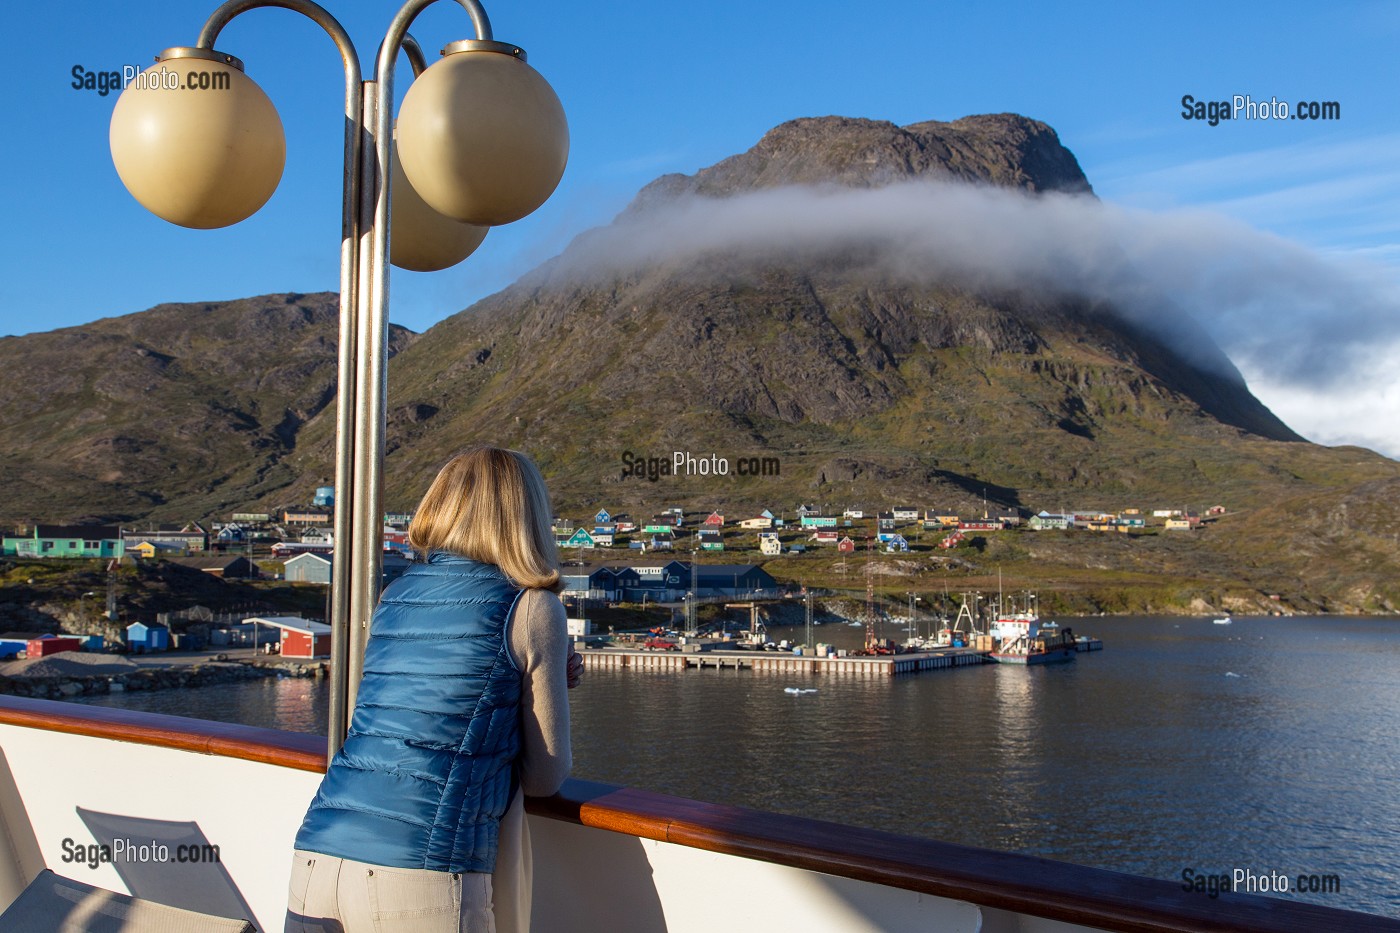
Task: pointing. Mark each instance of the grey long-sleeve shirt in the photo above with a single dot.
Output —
(539, 642)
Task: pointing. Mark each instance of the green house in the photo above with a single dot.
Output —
(66, 541)
(580, 538)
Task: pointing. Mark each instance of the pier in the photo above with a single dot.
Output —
(640, 659)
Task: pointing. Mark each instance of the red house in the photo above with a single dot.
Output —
(53, 644)
(301, 638)
(846, 546)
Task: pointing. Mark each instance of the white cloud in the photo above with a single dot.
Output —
(1306, 325)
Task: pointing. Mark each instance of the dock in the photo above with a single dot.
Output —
(782, 662)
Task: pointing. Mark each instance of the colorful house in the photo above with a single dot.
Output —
(580, 538)
(142, 637)
(306, 517)
(602, 517)
(81, 541)
(299, 638)
(711, 540)
(190, 537)
(147, 550)
(308, 568)
(846, 545)
(896, 545)
(904, 513)
(45, 645)
(770, 545)
(12, 643)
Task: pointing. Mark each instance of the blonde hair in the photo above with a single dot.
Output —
(491, 505)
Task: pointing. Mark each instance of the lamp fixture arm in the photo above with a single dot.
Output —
(348, 359)
(311, 10)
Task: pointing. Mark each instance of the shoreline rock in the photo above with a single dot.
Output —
(153, 678)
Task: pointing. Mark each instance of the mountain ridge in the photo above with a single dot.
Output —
(870, 391)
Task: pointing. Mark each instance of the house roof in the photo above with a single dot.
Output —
(323, 558)
(89, 532)
(204, 563)
(148, 626)
(293, 624)
(725, 570)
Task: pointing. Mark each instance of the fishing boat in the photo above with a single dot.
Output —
(1021, 638)
(74, 776)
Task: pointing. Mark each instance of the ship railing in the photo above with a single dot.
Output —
(75, 777)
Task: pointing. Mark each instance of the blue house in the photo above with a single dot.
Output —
(12, 643)
(142, 637)
(603, 517)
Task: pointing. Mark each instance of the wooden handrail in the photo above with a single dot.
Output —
(1026, 884)
(230, 740)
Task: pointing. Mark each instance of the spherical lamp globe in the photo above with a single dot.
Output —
(482, 135)
(421, 239)
(196, 141)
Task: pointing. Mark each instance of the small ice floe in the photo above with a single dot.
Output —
(1232, 674)
(795, 691)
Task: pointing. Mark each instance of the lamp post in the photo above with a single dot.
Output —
(482, 141)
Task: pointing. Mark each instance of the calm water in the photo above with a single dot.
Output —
(1269, 744)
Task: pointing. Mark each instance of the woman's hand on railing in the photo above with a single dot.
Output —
(575, 668)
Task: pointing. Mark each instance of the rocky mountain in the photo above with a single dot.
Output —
(866, 388)
(843, 383)
(182, 411)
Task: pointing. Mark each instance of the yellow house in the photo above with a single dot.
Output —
(149, 549)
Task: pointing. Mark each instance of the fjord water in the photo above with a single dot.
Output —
(1271, 745)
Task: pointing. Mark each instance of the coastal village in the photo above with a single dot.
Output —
(678, 557)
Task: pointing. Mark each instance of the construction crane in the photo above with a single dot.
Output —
(870, 641)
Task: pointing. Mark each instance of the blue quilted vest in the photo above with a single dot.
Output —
(427, 770)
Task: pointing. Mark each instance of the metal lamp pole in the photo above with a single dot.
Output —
(515, 176)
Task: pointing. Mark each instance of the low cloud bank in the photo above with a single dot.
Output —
(1269, 303)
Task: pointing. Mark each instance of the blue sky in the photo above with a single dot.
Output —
(655, 87)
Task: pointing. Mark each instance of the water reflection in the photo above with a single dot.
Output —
(1270, 744)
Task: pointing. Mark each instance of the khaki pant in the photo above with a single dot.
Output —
(336, 895)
